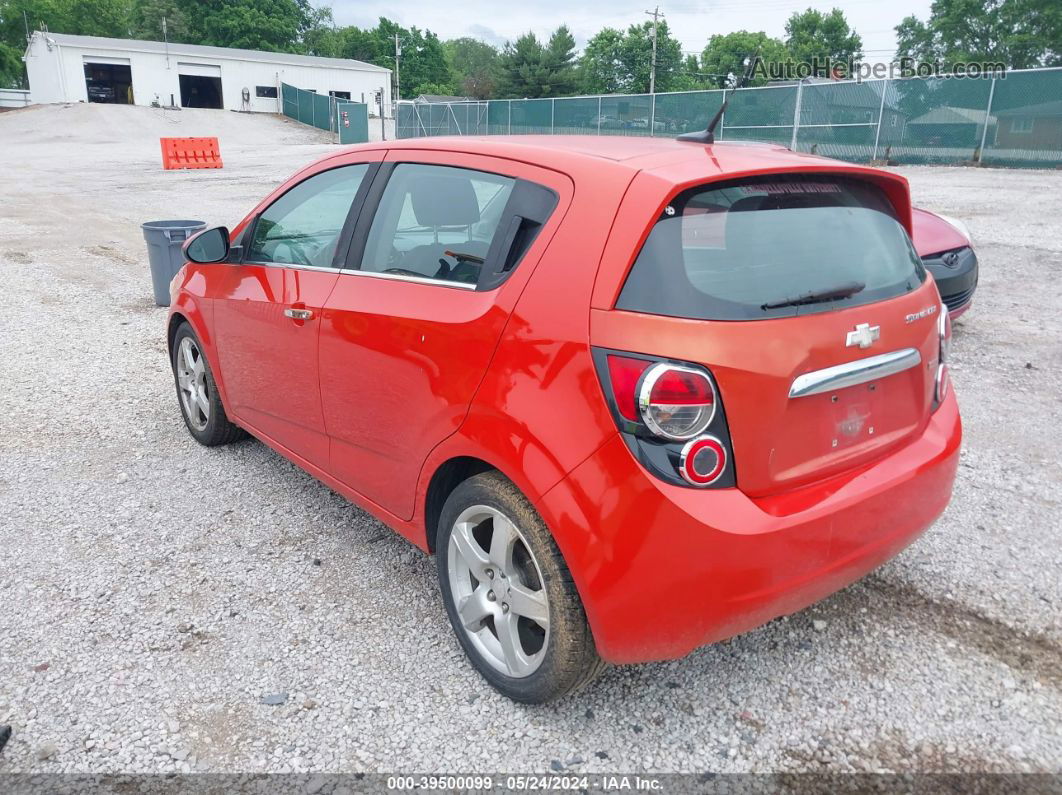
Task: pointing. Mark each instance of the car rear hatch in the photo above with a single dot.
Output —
(804, 299)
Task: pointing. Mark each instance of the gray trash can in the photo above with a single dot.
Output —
(164, 241)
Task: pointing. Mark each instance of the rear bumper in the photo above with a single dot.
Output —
(664, 569)
(955, 281)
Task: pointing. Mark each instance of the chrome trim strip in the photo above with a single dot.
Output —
(398, 277)
(857, 372)
(291, 266)
(649, 379)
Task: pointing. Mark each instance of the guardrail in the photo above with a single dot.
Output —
(14, 98)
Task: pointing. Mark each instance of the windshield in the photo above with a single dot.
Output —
(772, 247)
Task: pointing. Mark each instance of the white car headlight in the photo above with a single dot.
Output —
(963, 228)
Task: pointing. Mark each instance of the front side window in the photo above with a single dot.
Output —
(302, 227)
(436, 222)
(772, 247)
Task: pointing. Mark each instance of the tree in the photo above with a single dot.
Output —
(615, 62)
(817, 35)
(1019, 33)
(437, 89)
(84, 17)
(559, 61)
(368, 44)
(957, 32)
(691, 77)
(522, 73)
(11, 73)
(530, 69)
(1035, 33)
(474, 66)
(637, 55)
(423, 63)
(270, 25)
(725, 56)
(319, 35)
(602, 63)
(145, 20)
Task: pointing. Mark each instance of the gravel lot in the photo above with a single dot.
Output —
(157, 595)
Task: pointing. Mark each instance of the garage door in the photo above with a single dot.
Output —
(200, 69)
(108, 80)
(200, 84)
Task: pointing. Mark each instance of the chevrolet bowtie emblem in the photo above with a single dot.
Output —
(863, 336)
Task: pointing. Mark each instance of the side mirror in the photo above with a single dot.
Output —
(210, 245)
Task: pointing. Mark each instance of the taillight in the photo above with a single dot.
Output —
(625, 372)
(670, 416)
(676, 402)
(943, 379)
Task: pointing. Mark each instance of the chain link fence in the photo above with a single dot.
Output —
(1011, 120)
(309, 107)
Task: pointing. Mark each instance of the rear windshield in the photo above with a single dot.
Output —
(772, 247)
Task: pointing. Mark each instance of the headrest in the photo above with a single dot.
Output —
(748, 235)
(444, 200)
(747, 203)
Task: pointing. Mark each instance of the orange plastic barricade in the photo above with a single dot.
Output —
(190, 153)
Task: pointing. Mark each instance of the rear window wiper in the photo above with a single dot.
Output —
(845, 290)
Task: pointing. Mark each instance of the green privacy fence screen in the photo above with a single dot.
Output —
(309, 107)
(1009, 120)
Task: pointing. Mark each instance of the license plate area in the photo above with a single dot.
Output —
(854, 414)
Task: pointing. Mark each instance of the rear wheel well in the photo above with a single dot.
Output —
(447, 477)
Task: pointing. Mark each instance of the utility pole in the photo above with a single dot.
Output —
(398, 57)
(656, 15)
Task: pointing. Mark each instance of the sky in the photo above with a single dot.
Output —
(692, 22)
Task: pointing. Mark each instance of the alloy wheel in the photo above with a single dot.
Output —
(192, 384)
(498, 591)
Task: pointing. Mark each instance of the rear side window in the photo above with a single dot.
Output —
(772, 247)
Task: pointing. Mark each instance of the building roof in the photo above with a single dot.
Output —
(201, 51)
(849, 93)
(1041, 110)
(946, 114)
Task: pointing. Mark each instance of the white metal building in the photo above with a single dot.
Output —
(64, 68)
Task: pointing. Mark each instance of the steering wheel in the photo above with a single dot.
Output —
(395, 258)
(297, 252)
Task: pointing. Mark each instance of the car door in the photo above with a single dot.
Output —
(268, 316)
(409, 330)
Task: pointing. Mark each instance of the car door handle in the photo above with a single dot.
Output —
(299, 314)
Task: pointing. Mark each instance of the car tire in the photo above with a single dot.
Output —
(538, 648)
(197, 392)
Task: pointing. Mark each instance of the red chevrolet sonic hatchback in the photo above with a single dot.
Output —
(637, 395)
